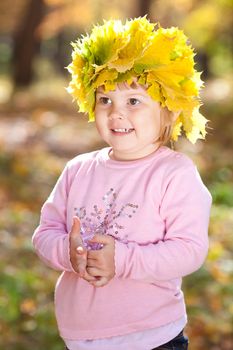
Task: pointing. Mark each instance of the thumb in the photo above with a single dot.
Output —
(75, 229)
(75, 235)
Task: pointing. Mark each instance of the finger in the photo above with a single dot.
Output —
(80, 250)
(81, 260)
(101, 282)
(94, 272)
(75, 235)
(81, 266)
(75, 229)
(78, 258)
(94, 254)
(98, 238)
(92, 263)
(88, 277)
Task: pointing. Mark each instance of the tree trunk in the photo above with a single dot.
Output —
(61, 53)
(142, 8)
(26, 43)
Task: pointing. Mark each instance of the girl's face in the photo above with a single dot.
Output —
(128, 119)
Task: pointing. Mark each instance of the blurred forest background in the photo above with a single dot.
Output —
(40, 130)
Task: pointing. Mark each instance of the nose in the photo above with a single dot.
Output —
(116, 113)
(113, 116)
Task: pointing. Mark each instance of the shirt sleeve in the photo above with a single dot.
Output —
(51, 239)
(185, 209)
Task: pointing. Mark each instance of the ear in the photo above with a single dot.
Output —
(174, 116)
(169, 117)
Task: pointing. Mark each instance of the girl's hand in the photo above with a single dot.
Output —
(101, 263)
(78, 254)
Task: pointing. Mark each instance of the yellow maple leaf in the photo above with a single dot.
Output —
(139, 31)
(176, 130)
(103, 77)
(155, 92)
(106, 41)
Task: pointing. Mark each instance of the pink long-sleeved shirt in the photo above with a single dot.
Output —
(157, 208)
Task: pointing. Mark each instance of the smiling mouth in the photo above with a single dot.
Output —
(122, 131)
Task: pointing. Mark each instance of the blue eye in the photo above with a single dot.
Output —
(133, 101)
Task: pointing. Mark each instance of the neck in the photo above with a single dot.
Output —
(120, 156)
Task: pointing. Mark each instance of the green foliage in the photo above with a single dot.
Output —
(222, 193)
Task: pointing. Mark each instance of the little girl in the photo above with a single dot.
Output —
(131, 218)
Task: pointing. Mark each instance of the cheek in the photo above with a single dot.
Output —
(153, 128)
(98, 126)
(152, 122)
(101, 126)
